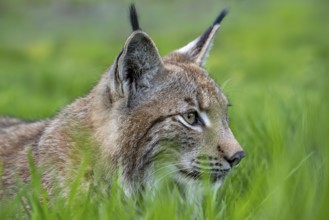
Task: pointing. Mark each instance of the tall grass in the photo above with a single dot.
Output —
(270, 57)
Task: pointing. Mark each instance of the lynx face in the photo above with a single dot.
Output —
(170, 108)
(186, 120)
(205, 143)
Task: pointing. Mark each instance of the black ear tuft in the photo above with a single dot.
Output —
(133, 18)
(205, 36)
(197, 50)
(220, 17)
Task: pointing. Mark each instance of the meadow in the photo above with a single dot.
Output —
(270, 57)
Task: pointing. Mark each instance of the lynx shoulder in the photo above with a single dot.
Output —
(143, 107)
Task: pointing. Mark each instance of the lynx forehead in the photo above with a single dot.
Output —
(146, 112)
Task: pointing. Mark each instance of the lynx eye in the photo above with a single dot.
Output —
(191, 118)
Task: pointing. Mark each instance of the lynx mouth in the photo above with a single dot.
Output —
(196, 175)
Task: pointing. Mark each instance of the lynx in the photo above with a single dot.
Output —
(143, 107)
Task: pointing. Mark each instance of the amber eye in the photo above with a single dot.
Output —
(191, 118)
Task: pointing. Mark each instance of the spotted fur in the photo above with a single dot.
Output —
(136, 113)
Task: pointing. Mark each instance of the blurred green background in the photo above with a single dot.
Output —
(270, 57)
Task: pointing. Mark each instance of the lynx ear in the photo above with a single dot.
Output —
(136, 65)
(197, 50)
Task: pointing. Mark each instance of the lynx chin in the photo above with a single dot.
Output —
(145, 113)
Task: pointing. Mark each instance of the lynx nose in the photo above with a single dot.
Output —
(236, 158)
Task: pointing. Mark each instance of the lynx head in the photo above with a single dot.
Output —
(168, 106)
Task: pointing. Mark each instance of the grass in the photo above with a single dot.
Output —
(270, 57)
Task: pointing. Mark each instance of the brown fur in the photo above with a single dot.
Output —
(134, 113)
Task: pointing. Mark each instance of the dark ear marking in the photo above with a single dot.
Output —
(220, 17)
(133, 18)
(197, 50)
(205, 36)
